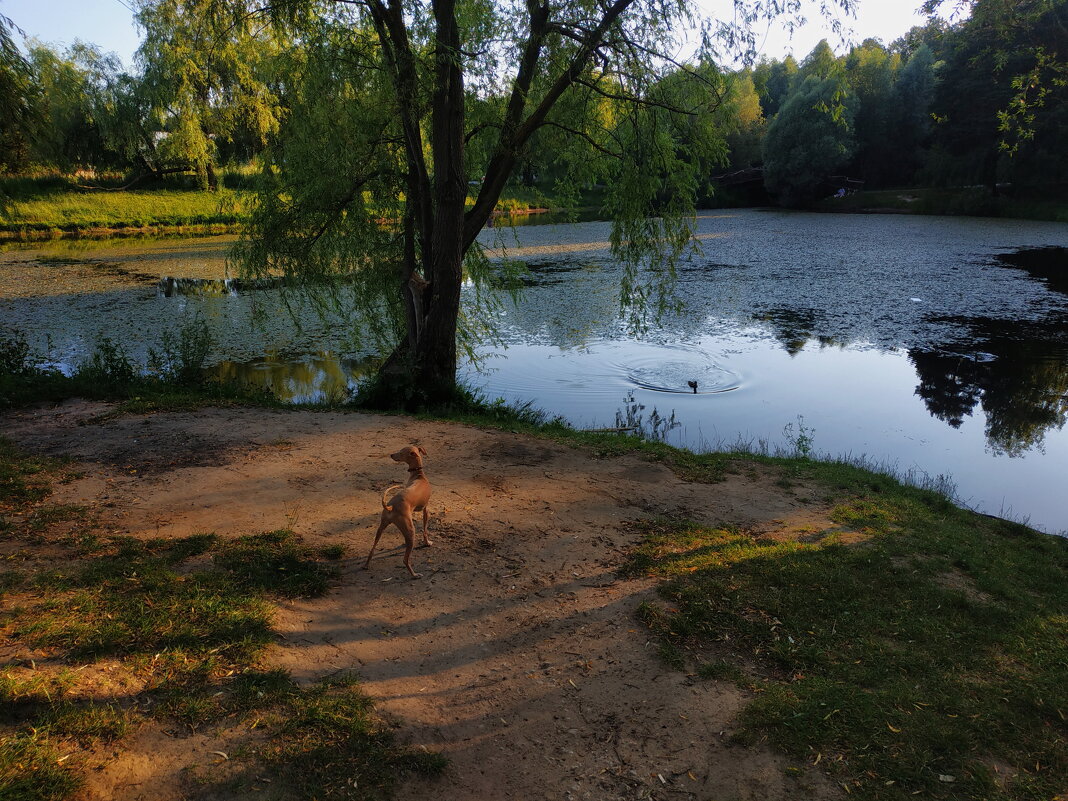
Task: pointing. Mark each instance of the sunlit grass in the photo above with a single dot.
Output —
(59, 204)
(71, 211)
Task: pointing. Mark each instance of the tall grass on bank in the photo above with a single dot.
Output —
(175, 377)
(36, 205)
(131, 209)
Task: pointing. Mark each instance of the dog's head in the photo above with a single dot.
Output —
(412, 455)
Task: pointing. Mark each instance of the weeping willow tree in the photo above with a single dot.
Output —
(206, 80)
(18, 117)
(399, 110)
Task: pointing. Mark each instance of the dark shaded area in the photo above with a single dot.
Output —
(1048, 264)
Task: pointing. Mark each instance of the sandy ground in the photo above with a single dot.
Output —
(518, 653)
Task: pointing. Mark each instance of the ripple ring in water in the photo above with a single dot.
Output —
(675, 374)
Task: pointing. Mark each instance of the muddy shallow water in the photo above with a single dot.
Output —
(937, 346)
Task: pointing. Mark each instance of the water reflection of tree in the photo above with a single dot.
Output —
(1049, 264)
(794, 327)
(314, 378)
(1016, 372)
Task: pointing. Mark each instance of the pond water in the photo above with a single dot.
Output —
(936, 347)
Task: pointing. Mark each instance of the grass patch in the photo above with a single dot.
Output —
(275, 562)
(57, 203)
(76, 211)
(929, 657)
(30, 770)
(23, 478)
(60, 204)
(331, 727)
(134, 602)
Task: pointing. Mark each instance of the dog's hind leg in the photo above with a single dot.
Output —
(378, 536)
(426, 517)
(408, 530)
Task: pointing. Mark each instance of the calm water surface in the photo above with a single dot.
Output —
(937, 346)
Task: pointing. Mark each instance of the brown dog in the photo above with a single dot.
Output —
(412, 498)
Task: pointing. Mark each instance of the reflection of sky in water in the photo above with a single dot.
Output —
(858, 402)
(894, 337)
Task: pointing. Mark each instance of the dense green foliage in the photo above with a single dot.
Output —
(981, 101)
(16, 92)
(806, 141)
(978, 101)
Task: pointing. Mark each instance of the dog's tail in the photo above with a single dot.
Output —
(386, 492)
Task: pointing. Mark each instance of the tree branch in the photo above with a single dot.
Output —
(516, 134)
(393, 35)
(583, 135)
(639, 101)
(482, 126)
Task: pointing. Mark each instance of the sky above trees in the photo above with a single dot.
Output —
(109, 24)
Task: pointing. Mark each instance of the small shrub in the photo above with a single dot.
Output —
(182, 356)
(15, 356)
(108, 368)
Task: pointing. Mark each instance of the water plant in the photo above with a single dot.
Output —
(654, 427)
(802, 440)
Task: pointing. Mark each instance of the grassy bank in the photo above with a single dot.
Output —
(972, 202)
(58, 205)
(142, 210)
(913, 648)
(113, 634)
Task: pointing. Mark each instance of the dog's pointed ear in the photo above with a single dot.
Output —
(422, 450)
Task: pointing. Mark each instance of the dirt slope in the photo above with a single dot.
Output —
(517, 654)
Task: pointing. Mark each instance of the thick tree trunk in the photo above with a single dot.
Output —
(443, 227)
(435, 351)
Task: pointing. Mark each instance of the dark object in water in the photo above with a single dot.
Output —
(692, 385)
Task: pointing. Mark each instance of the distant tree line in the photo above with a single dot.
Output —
(982, 102)
(978, 102)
